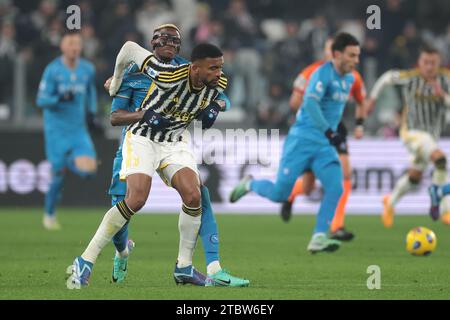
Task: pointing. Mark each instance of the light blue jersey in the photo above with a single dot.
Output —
(65, 128)
(307, 148)
(323, 104)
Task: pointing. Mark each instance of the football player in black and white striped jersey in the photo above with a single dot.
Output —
(425, 96)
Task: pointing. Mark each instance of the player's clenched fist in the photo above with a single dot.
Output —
(154, 120)
(209, 115)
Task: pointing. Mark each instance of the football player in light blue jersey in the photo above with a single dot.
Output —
(311, 140)
(68, 97)
(124, 108)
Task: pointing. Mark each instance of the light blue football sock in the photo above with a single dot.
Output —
(446, 189)
(331, 180)
(208, 229)
(53, 195)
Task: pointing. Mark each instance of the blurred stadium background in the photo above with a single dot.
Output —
(266, 43)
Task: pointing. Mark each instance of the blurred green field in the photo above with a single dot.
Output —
(262, 248)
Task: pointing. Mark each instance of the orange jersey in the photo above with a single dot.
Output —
(358, 91)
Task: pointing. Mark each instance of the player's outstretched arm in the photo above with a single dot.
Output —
(130, 52)
(121, 117)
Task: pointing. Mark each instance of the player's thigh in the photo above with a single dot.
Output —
(140, 155)
(138, 189)
(327, 168)
(295, 159)
(174, 157)
(308, 181)
(187, 183)
(178, 169)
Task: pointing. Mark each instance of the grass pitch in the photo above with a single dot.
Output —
(270, 253)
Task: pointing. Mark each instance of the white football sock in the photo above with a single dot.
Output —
(213, 268)
(402, 187)
(112, 222)
(188, 224)
(123, 253)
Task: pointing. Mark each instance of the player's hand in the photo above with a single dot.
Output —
(114, 86)
(370, 105)
(94, 124)
(154, 120)
(67, 96)
(334, 137)
(209, 115)
(358, 133)
(107, 84)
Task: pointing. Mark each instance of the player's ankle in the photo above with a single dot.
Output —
(213, 268)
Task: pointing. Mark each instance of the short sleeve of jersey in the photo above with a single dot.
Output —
(164, 75)
(122, 98)
(318, 83)
(303, 77)
(358, 89)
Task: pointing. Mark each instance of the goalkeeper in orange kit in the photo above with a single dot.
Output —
(305, 184)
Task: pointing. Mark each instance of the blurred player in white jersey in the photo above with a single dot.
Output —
(425, 94)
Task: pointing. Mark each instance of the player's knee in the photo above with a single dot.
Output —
(192, 197)
(136, 201)
(414, 176)
(86, 164)
(280, 195)
(415, 180)
(441, 163)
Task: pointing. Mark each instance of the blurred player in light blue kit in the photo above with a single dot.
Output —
(68, 97)
(311, 140)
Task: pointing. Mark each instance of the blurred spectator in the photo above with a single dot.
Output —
(42, 16)
(152, 14)
(8, 50)
(117, 23)
(8, 47)
(7, 11)
(202, 32)
(242, 36)
(405, 49)
(315, 32)
(393, 19)
(289, 57)
(273, 112)
(91, 45)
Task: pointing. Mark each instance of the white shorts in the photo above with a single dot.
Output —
(141, 155)
(421, 146)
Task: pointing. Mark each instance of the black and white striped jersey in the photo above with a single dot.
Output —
(422, 108)
(172, 95)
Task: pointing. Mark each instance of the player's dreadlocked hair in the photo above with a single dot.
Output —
(167, 25)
